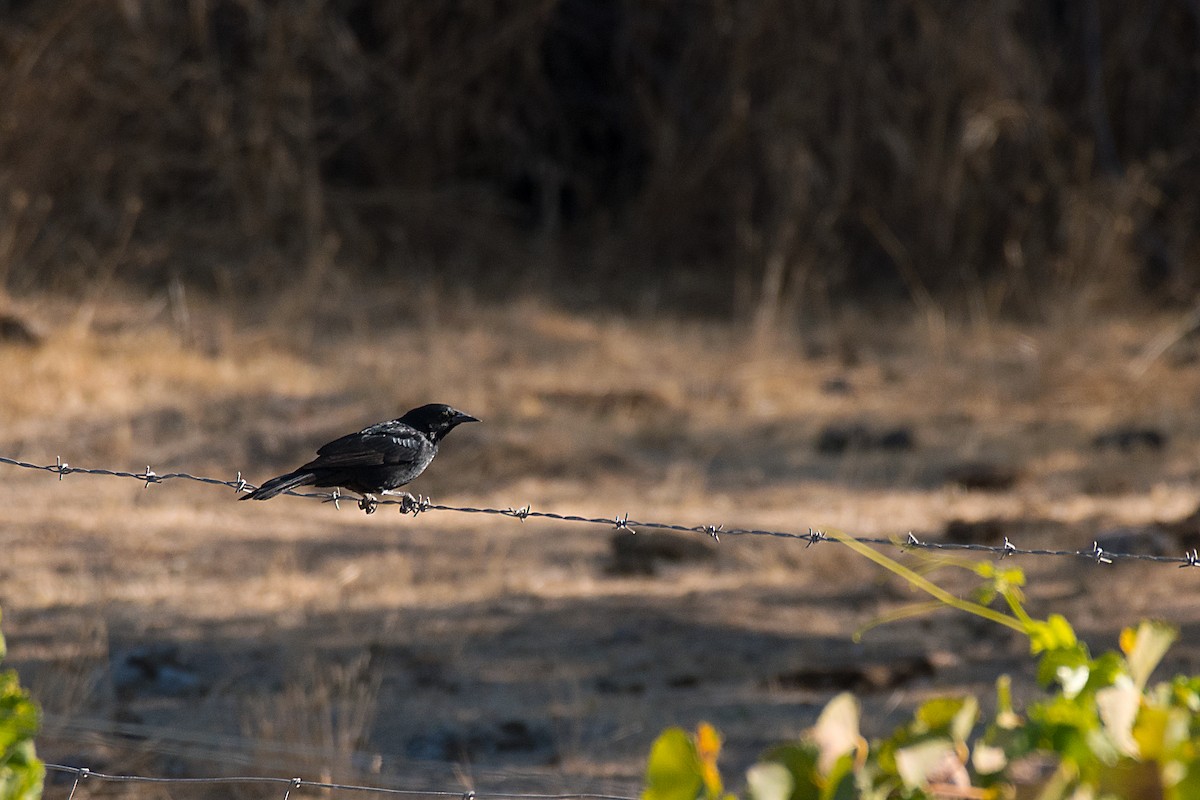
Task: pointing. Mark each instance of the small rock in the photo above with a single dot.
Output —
(837, 386)
(15, 330)
(1186, 530)
(897, 439)
(685, 681)
(642, 553)
(1148, 541)
(608, 685)
(836, 439)
(983, 476)
(486, 741)
(1127, 438)
(982, 531)
(878, 676)
(153, 669)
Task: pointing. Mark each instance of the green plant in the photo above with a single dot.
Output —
(685, 766)
(21, 772)
(1102, 731)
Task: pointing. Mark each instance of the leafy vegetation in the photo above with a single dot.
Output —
(21, 772)
(1101, 731)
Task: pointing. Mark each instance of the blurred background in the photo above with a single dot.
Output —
(890, 267)
(726, 160)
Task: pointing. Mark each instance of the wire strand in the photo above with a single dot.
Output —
(83, 774)
(420, 505)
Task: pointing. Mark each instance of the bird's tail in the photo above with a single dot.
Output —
(281, 484)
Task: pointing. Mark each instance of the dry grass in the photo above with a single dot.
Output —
(328, 643)
(753, 161)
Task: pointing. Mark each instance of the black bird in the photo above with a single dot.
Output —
(377, 459)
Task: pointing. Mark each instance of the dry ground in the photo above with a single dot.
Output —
(171, 630)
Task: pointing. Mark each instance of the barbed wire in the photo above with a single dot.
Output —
(83, 775)
(233, 752)
(409, 504)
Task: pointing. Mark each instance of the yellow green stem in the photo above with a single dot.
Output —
(923, 584)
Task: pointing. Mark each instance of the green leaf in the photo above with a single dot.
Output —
(1153, 727)
(952, 716)
(937, 714)
(800, 760)
(1063, 664)
(839, 780)
(674, 770)
(1054, 633)
(1185, 692)
(1106, 671)
(21, 773)
(1188, 786)
(1064, 726)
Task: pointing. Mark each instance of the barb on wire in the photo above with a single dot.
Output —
(83, 774)
(407, 504)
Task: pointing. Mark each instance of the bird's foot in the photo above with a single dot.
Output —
(405, 497)
(368, 503)
(408, 503)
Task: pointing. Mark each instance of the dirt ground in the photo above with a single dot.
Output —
(172, 631)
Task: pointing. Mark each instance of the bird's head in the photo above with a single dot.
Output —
(436, 419)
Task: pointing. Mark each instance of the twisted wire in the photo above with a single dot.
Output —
(408, 504)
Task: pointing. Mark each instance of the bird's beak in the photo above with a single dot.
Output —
(460, 417)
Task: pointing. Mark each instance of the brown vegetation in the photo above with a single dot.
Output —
(707, 157)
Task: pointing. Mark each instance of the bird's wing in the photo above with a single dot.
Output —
(377, 445)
